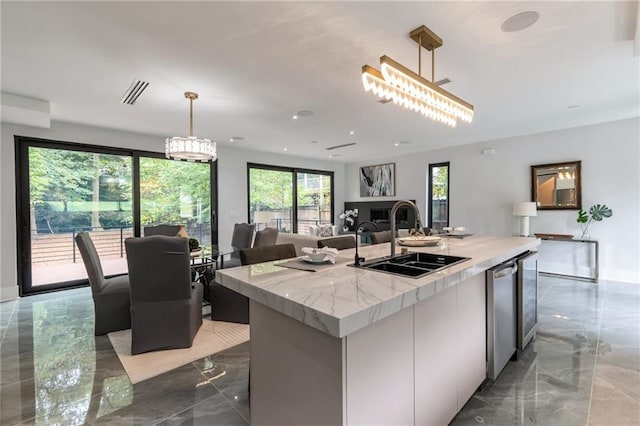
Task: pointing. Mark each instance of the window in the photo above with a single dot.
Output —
(289, 199)
(438, 196)
(176, 192)
(64, 188)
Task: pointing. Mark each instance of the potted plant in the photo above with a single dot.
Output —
(597, 212)
(194, 245)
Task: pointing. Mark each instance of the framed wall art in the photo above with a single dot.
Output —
(378, 180)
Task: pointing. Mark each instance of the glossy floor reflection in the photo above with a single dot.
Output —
(54, 371)
(582, 369)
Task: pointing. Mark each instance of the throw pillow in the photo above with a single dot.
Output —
(325, 231)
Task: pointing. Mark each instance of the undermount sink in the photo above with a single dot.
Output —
(414, 265)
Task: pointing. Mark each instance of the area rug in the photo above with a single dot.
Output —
(213, 337)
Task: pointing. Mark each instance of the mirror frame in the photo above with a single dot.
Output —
(578, 184)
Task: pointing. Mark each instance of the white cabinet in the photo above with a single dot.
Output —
(436, 346)
(379, 372)
(450, 350)
(472, 341)
(416, 367)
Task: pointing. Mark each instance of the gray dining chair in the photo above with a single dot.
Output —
(241, 239)
(228, 305)
(381, 237)
(110, 295)
(166, 307)
(267, 253)
(340, 243)
(168, 230)
(266, 237)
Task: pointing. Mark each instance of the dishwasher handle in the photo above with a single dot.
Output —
(506, 270)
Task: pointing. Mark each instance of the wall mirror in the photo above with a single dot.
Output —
(557, 186)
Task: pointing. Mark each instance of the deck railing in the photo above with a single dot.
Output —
(61, 246)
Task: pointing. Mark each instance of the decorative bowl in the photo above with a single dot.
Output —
(317, 257)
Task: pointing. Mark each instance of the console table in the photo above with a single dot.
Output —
(569, 239)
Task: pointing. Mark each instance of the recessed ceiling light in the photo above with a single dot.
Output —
(295, 117)
(236, 139)
(334, 155)
(352, 132)
(520, 21)
(573, 106)
(284, 149)
(397, 144)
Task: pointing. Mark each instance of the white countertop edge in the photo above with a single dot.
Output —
(340, 327)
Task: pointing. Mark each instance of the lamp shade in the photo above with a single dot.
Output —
(524, 208)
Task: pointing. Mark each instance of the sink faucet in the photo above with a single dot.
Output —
(394, 210)
(358, 226)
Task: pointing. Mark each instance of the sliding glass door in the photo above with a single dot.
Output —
(314, 198)
(64, 188)
(176, 192)
(271, 198)
(289, 199)
(72, 191)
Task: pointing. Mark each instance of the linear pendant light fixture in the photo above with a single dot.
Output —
(190, 148)
(397, 83)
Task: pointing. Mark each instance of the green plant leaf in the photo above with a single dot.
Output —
(599, 212)
(582, 217)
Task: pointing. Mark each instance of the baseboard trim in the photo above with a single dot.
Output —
(9, 293)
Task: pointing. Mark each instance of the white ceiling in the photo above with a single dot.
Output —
(255, 64)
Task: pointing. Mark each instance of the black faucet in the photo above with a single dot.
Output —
(394, 209)
(357, 227)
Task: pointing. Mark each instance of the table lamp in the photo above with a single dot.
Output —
(524, 209)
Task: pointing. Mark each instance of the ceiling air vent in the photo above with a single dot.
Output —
(442, 82)
(340, 146)
(133, 92)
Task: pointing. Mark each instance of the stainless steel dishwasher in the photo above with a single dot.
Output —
(501, 316)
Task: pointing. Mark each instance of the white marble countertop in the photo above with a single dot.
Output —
(343, 299)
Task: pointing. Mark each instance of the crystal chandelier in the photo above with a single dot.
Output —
(397, 83)
(190, 148)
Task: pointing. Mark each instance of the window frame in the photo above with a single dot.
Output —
(23, 237)
(430, 191)
(294, 171)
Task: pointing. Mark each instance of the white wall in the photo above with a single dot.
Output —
(232, 176)
(484, 188)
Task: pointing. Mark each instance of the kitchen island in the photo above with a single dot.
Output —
(347, 345)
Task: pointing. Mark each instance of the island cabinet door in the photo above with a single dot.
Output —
(379, 372)
(472, 341)
(450, 350)
(435, 359)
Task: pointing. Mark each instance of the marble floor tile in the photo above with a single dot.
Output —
(583, 368)
(212, 411)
